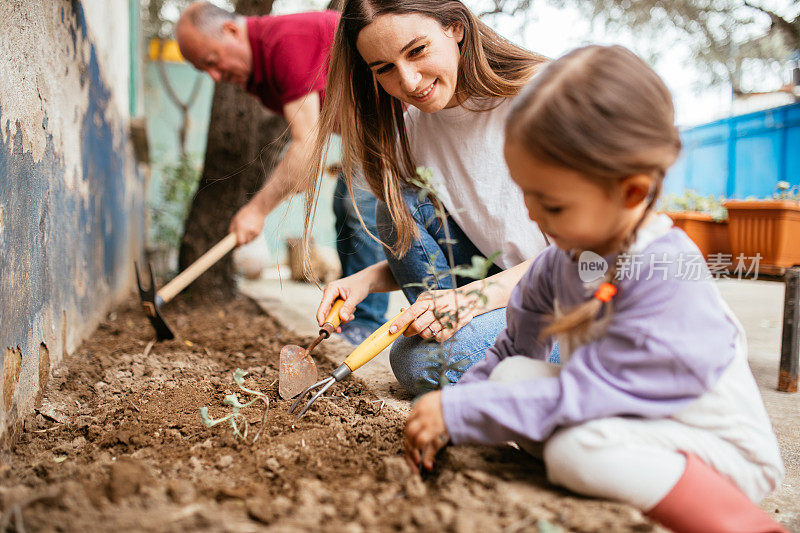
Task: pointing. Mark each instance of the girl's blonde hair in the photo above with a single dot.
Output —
(370, 121)
(604, 112)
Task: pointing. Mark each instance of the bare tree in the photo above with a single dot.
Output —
(158, 17)
(487, 8)
(723, 34)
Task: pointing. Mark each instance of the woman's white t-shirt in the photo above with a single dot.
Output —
(464, 148)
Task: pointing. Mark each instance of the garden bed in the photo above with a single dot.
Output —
(117, 445)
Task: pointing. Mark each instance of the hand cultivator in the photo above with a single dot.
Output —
(364, 353)
(297, 368)
(152, 300)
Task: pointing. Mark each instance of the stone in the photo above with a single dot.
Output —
(395, 469)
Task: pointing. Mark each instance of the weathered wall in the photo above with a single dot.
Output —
(70, 198)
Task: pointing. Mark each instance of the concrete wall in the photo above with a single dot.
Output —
(71, 200)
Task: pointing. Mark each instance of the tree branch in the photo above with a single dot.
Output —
(790, 28)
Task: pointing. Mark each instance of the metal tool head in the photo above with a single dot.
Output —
(297, 371)
(151, 303)
(324, 385)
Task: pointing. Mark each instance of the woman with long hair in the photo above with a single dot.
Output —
(424, 83)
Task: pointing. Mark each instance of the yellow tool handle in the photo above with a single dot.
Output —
(333, 317)
(373, 345)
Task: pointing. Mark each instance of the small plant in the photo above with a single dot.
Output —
(236, 419)
(785, 191)
(692, 201)
(441, 360)
(168, 213)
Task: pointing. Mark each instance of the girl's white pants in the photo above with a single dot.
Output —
(629, 459)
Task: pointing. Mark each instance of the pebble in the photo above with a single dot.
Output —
(415, 487)
(195, 463)
(395, 469)
(181, 492)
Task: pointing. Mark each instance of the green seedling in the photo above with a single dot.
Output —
(692, 201)
(785, 191)
(236, 419)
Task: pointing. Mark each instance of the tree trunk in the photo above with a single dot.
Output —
(244, 141)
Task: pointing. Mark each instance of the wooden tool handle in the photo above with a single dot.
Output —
(194, 270)
(373, 345)
(333, 317)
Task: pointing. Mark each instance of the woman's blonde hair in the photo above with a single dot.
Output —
(604, 112)
(370, 121)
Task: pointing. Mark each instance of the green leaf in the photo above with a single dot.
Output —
(424, 174)
(546, 527)
(480, 295)
(233, 401)
(460, 365)
(209, 421)
(424, 384)
(478, 269)
(238, 376)
(204, 417)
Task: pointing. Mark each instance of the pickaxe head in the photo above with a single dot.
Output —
(151, 303)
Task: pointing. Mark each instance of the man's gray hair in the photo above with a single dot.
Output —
(208, 18)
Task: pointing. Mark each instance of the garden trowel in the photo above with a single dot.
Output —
(297, 368)
(364, 353)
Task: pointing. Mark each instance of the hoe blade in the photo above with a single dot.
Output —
(297, 372)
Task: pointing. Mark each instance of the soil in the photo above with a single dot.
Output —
(117, 445)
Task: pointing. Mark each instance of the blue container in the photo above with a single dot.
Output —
(740, 157)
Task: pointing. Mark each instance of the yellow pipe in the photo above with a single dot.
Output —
(170, 52)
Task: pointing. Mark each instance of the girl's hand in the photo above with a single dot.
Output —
(352, 289)
(426, 433)
(422, 314)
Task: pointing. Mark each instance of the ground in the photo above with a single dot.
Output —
(117, 444)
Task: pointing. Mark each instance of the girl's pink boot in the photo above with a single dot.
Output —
(703, 501)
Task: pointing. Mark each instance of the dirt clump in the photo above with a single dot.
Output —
(117, 445)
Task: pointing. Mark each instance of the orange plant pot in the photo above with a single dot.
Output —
(767, 227)
(708, 234)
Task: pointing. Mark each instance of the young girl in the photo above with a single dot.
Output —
(654, 403)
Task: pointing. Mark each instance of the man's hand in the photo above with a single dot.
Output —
(247, 223)
(426, 433)
(302, 115)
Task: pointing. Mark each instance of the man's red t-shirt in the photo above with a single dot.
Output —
(291, 54)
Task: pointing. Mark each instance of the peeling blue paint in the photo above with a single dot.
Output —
(79, 19)
(102, 162)
(64, 257)
(23, 275)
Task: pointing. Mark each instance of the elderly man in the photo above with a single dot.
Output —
(283, 60)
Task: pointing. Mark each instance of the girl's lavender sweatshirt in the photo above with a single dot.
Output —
(667, 344)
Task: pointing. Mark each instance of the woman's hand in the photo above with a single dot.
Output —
(433, 314)
(352, 289)
(426, 433)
